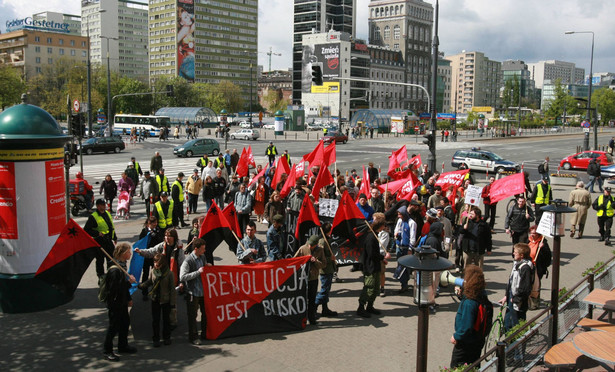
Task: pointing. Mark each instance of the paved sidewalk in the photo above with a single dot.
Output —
(70, 337)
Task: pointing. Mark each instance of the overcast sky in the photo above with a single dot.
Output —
(530, 30)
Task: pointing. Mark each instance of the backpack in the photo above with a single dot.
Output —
(484, 317)
(541, 168)
(103, 290)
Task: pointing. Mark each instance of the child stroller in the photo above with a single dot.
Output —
(123, 206)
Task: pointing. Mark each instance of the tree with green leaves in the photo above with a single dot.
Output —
(563, 102)
(274, 100)
(604, 100)
(11, 86)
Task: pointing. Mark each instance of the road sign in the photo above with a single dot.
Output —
(416, 128)
(76, 105)
(585, 124)
(586, 130)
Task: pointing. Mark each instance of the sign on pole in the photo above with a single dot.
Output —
(76, 105)
(473, 195)
(544, 227)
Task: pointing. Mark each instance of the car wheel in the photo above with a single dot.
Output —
(232, 137)
(499, 170)
(215, 152)
(567, 166)
(189, 154)
(117, 149)
(89, 151)
(462, 166)
(75, 210)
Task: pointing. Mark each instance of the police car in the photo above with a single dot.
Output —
(477, 159)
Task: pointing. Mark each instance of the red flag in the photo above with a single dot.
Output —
(416, 161)
(213, 227)
(507, 186)
(251, 157)
(324, 179)
(394, 166)
(307, 219)
(242, 165)
(396, 161)
(408, 187)
(280, 169)
(330, 155)
(300, 169)
(408, 196)
(68, 259)
(316, 157)
(365, 183)
(454, 178)
(259, 175)
(401, 154)
(394, 186)
(290, 182)
(230, 213)
(348, 222)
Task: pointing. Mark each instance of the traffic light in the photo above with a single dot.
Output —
(317, 75)
(170, 92)
(75, 125)
(429, 140)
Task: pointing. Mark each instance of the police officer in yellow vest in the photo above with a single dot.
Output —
(271, 152)
(604, 206)
(541, 196)
(163, 211)
(100, 226)
(163, 182)
(177, 194)
(202, 162)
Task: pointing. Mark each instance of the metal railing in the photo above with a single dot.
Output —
(526, 347)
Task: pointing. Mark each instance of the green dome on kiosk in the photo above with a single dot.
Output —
(26, 121)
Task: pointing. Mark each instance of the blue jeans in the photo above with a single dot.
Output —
(590, 185)
(325, 287)
(512, 316)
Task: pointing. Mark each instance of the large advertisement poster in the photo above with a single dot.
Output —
(8, 201)
(185, 39)
(327, 56)
(56, 197)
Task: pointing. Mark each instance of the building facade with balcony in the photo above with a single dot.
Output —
(386, 65)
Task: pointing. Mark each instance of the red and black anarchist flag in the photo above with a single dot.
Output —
(213, 228)
(349, 222)
(259, 298)
(308, 219)
(68, 259)
(231, 216)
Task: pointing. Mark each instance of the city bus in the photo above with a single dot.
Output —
(123, 123)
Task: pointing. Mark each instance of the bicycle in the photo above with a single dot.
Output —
(497, 332)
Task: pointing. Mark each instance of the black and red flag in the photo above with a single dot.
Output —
(349, 222)
(258, 298)
(68, 259)
(231, 216)
(213, 230)
(308, 219)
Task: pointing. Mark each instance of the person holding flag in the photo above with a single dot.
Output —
(371, 262)
(190, 273)
(100, 226)
(274, 238)
(317, 262)
(251, 249)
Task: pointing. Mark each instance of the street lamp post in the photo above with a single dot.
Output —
(519, 104)
(109, 116)
(89, 74)
(434, 75)
(589, 94)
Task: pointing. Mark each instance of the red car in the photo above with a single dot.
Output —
(581, 160)
(334, 136)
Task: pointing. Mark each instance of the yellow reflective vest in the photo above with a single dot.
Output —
(101, 224)
(164, 221)
(541, 198)
(609, 207)
(181, 190)
(162, 183)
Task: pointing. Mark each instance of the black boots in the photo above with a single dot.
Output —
(326, 312)
(370, 309)
(362, 312)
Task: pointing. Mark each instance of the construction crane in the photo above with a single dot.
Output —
(269, 54)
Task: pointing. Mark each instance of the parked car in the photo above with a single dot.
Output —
(477, 159)
(581, 160)
(334, 136)
(608, 172)
(314, 126)
(199, 146)
(556, 129)
(102, 144)
(269, 126)
(244, 124)
(247, 134)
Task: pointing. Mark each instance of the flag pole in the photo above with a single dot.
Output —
(238, 240)
(114, 261)
(373, 232)
(326, 241)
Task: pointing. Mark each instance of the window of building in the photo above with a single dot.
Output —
(387, 32)
(377, 33)
(396, 46)
(49, 50)
(61, 51)
(72, 52)
(61, 41)
(38, 59)
(396, 32)
(37, 49)
(39, 70)
(50, 61)
(72, 43)
(83, 44)
(83, 53)
(37, 38)
(48, 40)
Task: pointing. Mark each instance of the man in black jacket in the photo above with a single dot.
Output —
(517, 222)
(371, 262)
(595, 175)
(476, 238)
(541, 197)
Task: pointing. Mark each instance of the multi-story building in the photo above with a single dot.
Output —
(475, 80)
(30, 50)
(206, 42)
(279, 81)
(406, 25)
(544, 72)
(339, 56)
(386, 65)
(519, 70)
(118, 35)
(72, 22)
(443, 86)
(314, 17)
